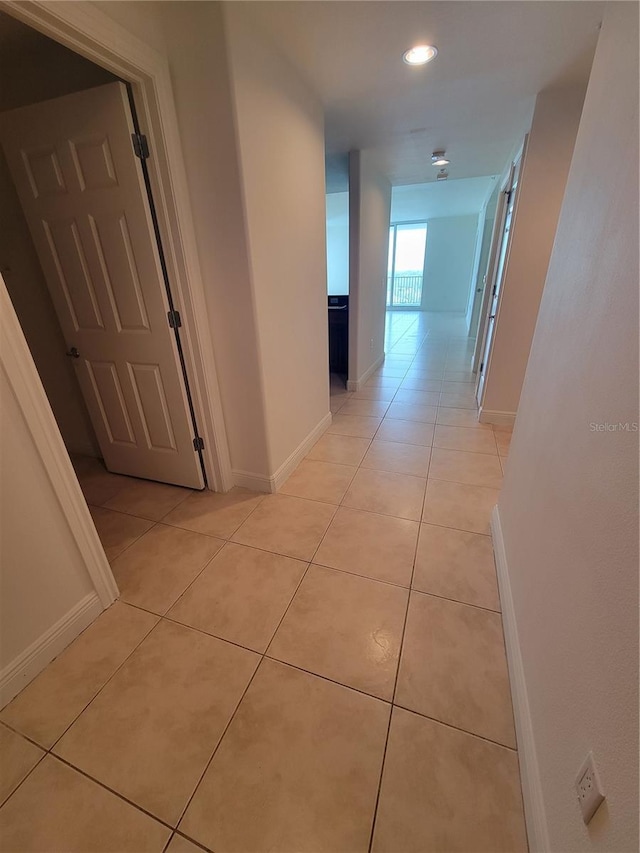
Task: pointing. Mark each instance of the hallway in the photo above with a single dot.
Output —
(321, 669)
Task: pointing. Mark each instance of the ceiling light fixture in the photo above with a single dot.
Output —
(442, 175)
(420, 54)
(438, 158)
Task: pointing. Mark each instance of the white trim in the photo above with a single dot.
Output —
(486, 416)
(23, 378)
(358, 384)
(29, 663)
(262, 483)
(534, 811)
(250, 480)
(92, 34)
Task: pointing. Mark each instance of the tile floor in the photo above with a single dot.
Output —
(318, 670)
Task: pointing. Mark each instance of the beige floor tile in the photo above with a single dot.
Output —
(465, 399)
(346, 628)
(503, 441)
(445, 790)
(319, 481)
(460, 506)
(17, 758)
(297, 770)
(383, 382)
(286, 525)
(343, 449)
(357, 425)
(98, 485)
(426, 380)
(179, 844)
(406, 412)
(368, 408)
(393, 371)
(409, 432)
(385, 492)
(461, 438)
(460, 418)
(241, 596)
(117, 530)
(458, 466)
(370, 392)
(456, 564)
(147, 499)
(50, 703)
(398, 457)
(336, 403)
(214, 513)
(459, 376)
(453, 667)
(156, 569)
(164, 712)
(375, 546)
(458, 387)
(417, 398)
(422, 378)
(59, 809)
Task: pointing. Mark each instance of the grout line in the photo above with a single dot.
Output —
(456, 728)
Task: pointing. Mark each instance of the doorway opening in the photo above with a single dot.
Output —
(84, 266)
(405, 274)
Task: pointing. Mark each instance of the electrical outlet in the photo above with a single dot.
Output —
(588, 788)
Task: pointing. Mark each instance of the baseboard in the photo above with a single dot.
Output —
(529, 775)
(300, 452)
(250, 480)
(486, 416)
(270, 485)
(358, 384)
(29, 663)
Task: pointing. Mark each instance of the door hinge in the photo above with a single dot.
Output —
(140, 145)
(481, 366)
(198, 443)
(174, 319)
(493, 291)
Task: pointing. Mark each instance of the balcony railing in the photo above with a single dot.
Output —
(404, 291)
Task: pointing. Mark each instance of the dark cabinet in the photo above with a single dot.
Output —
(339, 335)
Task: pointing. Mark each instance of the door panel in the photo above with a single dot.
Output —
(83, 194)
(508, 206)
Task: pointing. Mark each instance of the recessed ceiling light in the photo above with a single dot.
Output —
(438, 158)
(420, 54)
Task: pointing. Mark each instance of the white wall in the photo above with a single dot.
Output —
(43, 576)
(542, 183)
(46, 593)
(280, 137)
(369, 214)
(569, 506)
(338, 244)
(194, 42)
(449, 261)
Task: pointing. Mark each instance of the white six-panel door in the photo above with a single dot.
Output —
(82, 191)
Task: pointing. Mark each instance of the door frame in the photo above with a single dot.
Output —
(516, 165)
(92, 34)
(24, 381)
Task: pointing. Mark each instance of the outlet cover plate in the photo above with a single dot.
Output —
(589, 788)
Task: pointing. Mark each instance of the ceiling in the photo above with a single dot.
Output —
(463, 197)
(475, 99)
